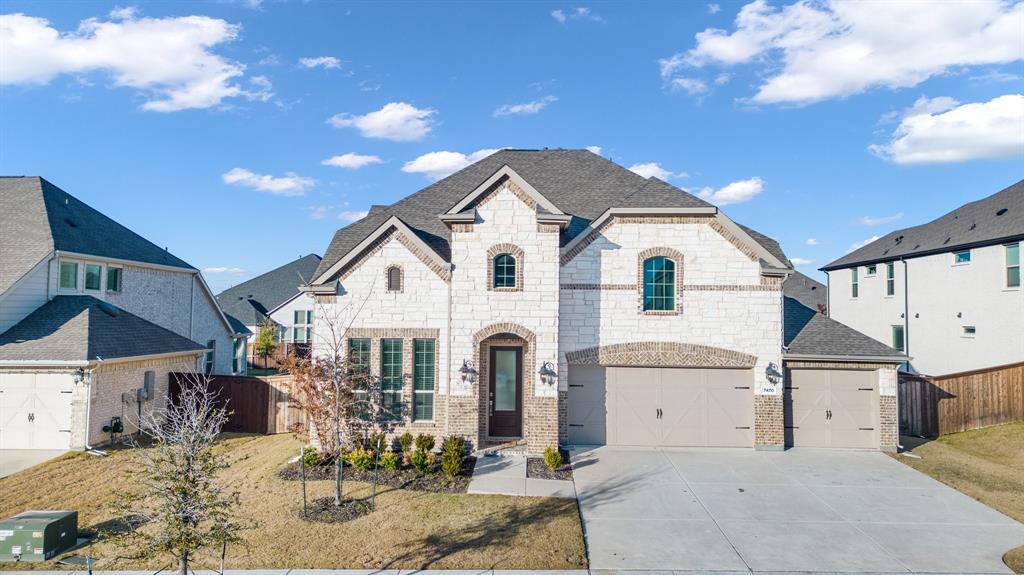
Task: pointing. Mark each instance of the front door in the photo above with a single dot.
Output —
(506, 392)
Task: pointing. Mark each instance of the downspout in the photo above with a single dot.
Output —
(906, 347)
(448, 354)
(87, 377)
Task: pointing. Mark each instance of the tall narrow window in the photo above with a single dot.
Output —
(238, 357)
(359, 355)
(505, 271)
(854, 284)
(391, 375)
(211, 352)
(1013, 265)
(659, 284)
(394, 278)
(93, 276)
(898, 341)
(113, 279)
(68, 275)
(302, 329)
(890, 278)
(424, 362)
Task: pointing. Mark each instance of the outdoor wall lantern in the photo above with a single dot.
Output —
(467, 372)
(547, 372)
(78, 376)
(773, 374)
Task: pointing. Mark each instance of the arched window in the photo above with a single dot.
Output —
(659, 284)
(394, 278)
(504, 271)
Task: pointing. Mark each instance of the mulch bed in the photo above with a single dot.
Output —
(537, 469)
(432, 481)
(323, 510)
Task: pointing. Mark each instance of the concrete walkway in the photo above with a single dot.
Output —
(799, 511)
(14, 460)
(506, 475)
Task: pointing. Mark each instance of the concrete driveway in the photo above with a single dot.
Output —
(14, 460)
(802, 510)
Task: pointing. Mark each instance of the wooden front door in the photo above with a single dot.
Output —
(505, 402)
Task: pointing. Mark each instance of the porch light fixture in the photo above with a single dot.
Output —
(547, 372)
(78, 376)
(467, 372)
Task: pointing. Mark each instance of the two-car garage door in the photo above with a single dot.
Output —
(35, 410)
(660, 406)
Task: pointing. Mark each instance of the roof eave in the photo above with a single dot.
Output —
(846, 358)
(923, 253)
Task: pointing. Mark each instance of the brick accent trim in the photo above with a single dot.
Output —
(772, 281)
(462, 228)
(401, 278)
(686, 288)
(677, 259)
(517, 253)
(598, 287)
(392, 332)
(504, 327)
(548, 228)
(375, 248)
(836, 365)
(506, 183)
(662, 354)
(888, 422)
(769, 422)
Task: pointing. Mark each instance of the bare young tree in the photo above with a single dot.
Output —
(176, 506)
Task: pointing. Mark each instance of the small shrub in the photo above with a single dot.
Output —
(424, 442)
(452, 452)
(377, 442)
(389, 460)
(552, 457)
(360, 458)
(310, 458)
(405, 440)
(420, 460)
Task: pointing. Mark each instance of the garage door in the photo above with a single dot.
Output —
(661, 406)
(831, 408)
(35, 411)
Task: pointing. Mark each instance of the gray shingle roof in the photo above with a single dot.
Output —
(250, 301)
(807, 332)
(972, 224)
(77, 328)
(578, 182)
(37, 217)
(807, 291)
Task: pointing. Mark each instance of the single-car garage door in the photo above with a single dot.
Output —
(35, 410)
(831, 408)
(661, 406)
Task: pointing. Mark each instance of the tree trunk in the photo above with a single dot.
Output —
(183, 564)
(337, 443)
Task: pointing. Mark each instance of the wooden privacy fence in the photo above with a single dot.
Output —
(255, 404)
(932, 406)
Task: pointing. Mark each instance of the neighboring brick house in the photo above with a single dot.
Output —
(88, 308)
(948, 292)
(275, 297)
(554, 297)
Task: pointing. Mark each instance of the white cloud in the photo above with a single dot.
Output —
(691, 86)
(351, 161)
(945, 132)
(873, 221)
(396, 121)
(524, 109)
(734, 193)
(594, 149)
(352, 216)
(812, 241)
(859, 245)
(580, 13)
(436, 165)
(814, 50)
(223, 270)
(290, 184)
(325, 62)
(722, 79)
(801, 261)
(714, 8)
(654, 169)
(170, 60)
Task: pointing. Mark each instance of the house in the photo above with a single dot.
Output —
(947, 292)
(90, 314)
(275, 297)
(554, 297)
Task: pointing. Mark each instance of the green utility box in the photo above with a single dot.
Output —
(37, 535)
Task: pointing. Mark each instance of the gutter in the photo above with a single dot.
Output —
(924, 253)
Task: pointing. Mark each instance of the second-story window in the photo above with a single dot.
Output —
(1013, 265)
(302, 330)
(68, 275)
(898, 341)
(93, 276)
(854, 283)
(890, 278)
(394, 278)
(113, 279)
(963, 257)
(211, 353)
(505, 271)
(659, 284)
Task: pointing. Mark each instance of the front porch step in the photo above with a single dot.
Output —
(501, 448)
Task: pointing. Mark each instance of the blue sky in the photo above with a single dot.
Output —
(205, 126)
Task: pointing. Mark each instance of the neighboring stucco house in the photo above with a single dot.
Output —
(89, 313)
(275, 296)
(947, 292)
(554, 297)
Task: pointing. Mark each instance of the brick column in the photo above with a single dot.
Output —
(769, 423)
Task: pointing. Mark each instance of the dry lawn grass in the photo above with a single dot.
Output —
(986, 464)
(408, 530)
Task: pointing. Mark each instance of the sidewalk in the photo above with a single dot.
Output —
(506, 475)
